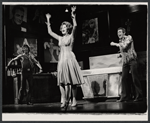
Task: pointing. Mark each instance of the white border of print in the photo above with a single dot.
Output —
(75, 117)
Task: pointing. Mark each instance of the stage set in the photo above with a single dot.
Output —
(99, 62)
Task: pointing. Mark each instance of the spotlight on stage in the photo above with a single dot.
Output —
(66, 10)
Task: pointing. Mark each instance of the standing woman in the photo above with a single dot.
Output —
(69, 73)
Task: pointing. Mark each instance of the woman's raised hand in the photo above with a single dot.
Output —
(48, 16)
(73, 9)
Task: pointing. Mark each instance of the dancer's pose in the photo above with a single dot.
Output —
(69, 73)
(129, 58)
(28, 62)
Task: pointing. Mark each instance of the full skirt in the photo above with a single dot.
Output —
(69, 72)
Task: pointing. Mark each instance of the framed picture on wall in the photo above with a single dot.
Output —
(18, 21)
(14, 8)
(90, 31)
(18, 43)
(51, 50)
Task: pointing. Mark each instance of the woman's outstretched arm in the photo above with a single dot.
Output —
(54, 35)
(73, 15)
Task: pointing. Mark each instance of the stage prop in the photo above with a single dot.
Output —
(45, 88)
(104, 82)
(104, 77)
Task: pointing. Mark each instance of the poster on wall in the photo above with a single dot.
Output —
(51, 50)
(90, 31)
(14, 11)
(17, 20)
(18, 43)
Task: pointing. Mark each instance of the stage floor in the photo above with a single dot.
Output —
(83, 106)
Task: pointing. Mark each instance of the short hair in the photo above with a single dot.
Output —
(26, 46)
(68, 25)
(123, 29)
(17, 8)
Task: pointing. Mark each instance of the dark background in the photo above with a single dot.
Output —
(110, 17)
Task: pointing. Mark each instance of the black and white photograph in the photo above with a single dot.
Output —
(74, 61)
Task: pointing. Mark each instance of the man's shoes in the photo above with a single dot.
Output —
(29, 103)
(138, 100)
(124, 100)
(121, 100)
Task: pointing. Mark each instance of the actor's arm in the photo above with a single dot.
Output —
(114, 44)
(37, 63)
(16, 58)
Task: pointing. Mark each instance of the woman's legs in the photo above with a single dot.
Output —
(74, 92)
(63, 95)
(61, 92)
(68, 92)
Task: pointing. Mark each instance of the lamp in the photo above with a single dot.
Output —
(66, 10)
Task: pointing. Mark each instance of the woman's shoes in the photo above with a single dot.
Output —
(74, 105)
(29, 103)
(63, 105)
(74, 102)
